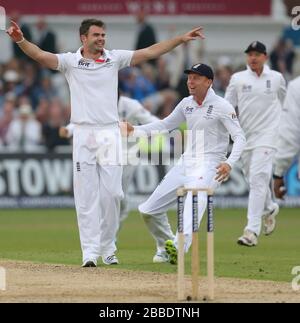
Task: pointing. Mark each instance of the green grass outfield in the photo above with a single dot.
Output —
(51, 236)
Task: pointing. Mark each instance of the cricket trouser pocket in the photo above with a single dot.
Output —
(86, 186)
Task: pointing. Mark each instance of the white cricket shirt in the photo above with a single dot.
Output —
(215, 118)
(93, 85)
(259, 100)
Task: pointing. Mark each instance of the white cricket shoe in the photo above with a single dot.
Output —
(248, 239)
(269, 221)
(160, 257)
(110, 260)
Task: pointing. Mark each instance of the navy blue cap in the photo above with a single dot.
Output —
(201, 69)
(257, 47)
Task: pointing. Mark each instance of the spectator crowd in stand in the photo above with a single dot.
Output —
(34, 102)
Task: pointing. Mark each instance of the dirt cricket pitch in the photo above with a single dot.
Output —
(30, 282)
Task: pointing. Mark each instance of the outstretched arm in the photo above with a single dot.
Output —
(163, 47)
(167, 124)
(45, 58)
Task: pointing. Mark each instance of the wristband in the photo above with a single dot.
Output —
(20, 41)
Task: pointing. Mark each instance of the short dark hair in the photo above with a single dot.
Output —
(87, 23)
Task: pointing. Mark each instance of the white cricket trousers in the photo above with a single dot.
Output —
(257, 167)
(155, 208)
(97, 188)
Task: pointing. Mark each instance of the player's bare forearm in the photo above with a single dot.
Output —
(31, 50)
(47, 59)
(155, 50)
(166, 46)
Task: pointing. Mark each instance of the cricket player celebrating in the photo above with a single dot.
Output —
(92, 74)
(258, 93)
(210, 120)
(288, 145)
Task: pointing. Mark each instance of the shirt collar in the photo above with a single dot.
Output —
(209, 95)
(266, 70)
(105, 55)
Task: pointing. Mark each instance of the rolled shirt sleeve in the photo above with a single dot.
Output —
(124, 57)
(63, 61)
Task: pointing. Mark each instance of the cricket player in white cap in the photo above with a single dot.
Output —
(288, 144)
(92, 74)
(258, 94)
(204, 164)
